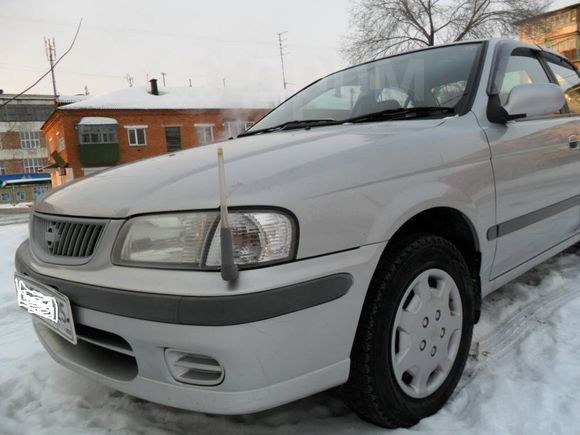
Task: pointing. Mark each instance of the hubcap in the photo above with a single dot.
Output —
(426, 333)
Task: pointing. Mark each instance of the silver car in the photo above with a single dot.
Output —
(348, 239)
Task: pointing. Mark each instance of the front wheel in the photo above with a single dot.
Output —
(414, 333)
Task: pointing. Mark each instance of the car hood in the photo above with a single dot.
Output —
(274, 169)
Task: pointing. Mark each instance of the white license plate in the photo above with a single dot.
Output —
(47, 304)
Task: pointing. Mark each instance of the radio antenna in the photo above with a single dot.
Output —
(229, 269)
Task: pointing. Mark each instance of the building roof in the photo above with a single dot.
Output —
(548, 13)
(181, 98)
(43, 97)
(15, 179)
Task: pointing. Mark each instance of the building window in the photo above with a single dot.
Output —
(2, 168)
(5, 197)
(20, 196)
(137, 134)
(25, 112)
(97, 134)
(234, 128)
(38, 190)
(173, 138)
(33, 165)
(204, 133)
(30, 139)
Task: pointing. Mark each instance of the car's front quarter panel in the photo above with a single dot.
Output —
(389, 183)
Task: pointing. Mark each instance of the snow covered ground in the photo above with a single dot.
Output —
(525, 378)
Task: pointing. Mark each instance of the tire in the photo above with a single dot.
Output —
(404, 364)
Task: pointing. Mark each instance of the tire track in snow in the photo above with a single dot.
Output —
(497, 343)
(13, 220)
(502, 340)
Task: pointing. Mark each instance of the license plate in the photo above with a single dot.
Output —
(47, 304)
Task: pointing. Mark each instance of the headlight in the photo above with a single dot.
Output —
(191, 240)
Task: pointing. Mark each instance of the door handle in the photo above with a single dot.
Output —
(574, 142)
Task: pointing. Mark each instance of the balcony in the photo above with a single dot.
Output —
(99, 153)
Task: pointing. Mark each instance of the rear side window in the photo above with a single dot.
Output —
(568, 80)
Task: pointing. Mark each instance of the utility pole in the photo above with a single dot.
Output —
(129, 79)
(50, 47)
(163, 75)
(282, 54)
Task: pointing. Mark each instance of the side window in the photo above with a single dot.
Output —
(569, 81)
(522, 68)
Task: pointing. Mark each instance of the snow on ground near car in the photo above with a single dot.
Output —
(523, 376)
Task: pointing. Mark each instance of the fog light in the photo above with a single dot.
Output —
(194, 369)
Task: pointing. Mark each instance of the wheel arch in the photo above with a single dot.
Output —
(453, 225)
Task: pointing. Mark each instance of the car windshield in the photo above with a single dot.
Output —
(418, 82)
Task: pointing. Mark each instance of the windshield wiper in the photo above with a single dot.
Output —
(293, 125)
(391, 114)
(411, 112)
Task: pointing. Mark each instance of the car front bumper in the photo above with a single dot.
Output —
(274, 346)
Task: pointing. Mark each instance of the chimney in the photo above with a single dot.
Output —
(154, 89)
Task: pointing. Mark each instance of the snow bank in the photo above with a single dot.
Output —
(18, 205)
(523, 377)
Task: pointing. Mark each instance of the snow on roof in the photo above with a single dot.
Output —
(97, 120)
(67, 99)
(182, 98)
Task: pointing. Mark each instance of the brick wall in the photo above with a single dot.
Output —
(61, 126)
(10, 140)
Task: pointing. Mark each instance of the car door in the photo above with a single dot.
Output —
(567, 77)
(536, 173)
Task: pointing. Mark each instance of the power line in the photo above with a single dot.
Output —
(130, 79)
(49, 71)
(33, 68)
(152, 33)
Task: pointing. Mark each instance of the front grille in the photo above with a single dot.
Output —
(62, 237)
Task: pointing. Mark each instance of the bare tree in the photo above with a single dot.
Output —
(382, 27)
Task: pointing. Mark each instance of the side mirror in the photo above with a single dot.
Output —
(533, 99)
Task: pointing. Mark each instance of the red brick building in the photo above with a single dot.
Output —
(136, 123)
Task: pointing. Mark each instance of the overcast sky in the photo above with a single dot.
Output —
(205, 41)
